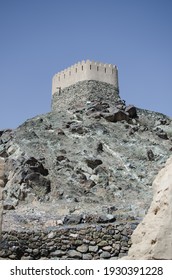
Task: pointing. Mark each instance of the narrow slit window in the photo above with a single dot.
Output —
(76, 70)
(97, 68)
(82, 67)
(105, 70)
(90, 67)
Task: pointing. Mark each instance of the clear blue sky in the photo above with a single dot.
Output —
(41, 37)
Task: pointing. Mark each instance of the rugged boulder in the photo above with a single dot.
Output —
(152, 239)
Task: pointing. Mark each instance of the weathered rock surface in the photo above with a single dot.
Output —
(2, 183)
(64, 163)
(152, 239)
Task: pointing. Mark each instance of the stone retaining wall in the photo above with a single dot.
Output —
(101, 241)
(77, 95)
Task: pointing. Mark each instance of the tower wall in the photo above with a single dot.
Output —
(84, 71)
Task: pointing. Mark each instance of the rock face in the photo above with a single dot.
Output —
(152, 239)
(2, 183)
(89, 171)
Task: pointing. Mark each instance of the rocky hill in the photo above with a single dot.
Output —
(93, 163)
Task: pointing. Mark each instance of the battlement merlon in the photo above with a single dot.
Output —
(84, 71)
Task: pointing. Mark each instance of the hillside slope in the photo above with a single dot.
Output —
(97, 162)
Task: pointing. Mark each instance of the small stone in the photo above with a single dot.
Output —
(102, 243)
(82, 248)
(124, 249)
(78, 242)
(26, 258)
(106, 218)
(57, 253)
(12, 257)
(49, 244)
(35, 238)
(92, 242)
(35, 251)
(122, 255)
(29, 251)
(87, 241)
(105, 255)
(59, 222)
(99, 147)
(87, 256)
(88, 184)
(107, 248)
(117, 237)
(65, 241)
(44, 252)
(51, 235)
(150, 155)
(93, 249)
(74, 235)
(162, 135)
(74, 254)
(117, 246)
(72, 219)
(10, 204)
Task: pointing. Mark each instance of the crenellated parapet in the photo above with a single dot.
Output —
(85, 71)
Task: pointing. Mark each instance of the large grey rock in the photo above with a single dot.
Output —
(35, 166)
(72, 219)
(131, 110)
(116, 116)
(10, 203)
(152, 239)
(106, 218)
(93, 162)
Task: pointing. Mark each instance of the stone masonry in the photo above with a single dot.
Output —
(84, 82)
(85, 71)
(84, 242)
(82, 93)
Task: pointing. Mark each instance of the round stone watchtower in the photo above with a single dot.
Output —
(84, 81)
